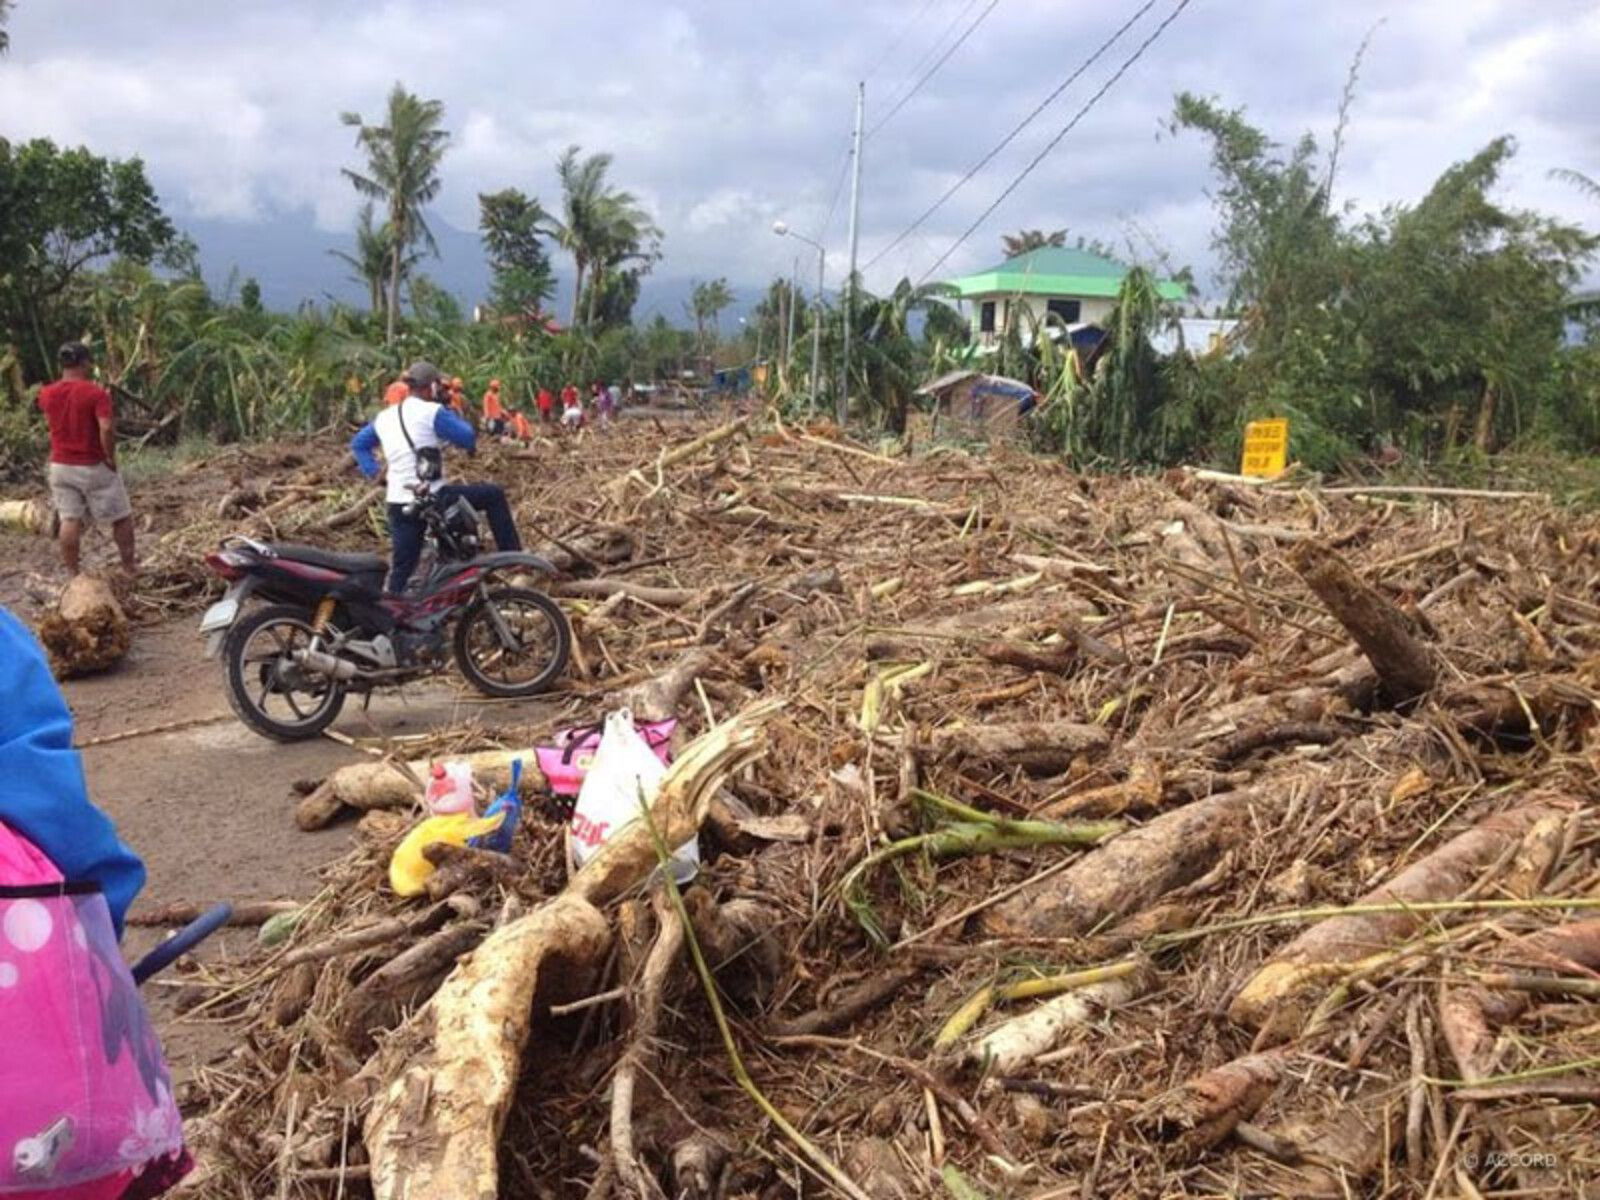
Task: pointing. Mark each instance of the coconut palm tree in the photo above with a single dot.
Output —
(1025, 240)
(601, 227)
(706, 302)
(403, 156)
(371, 262)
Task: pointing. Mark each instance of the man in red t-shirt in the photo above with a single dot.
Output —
(83, 458)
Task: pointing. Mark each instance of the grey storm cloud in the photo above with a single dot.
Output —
(726, 116)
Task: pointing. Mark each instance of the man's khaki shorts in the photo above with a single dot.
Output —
(95, 491)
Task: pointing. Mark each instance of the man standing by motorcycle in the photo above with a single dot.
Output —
(411, 435)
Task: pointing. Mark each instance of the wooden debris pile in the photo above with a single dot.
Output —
(1063, 836)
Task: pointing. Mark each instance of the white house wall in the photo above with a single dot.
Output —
(1092, 310)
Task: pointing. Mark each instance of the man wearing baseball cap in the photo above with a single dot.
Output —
(411, 436)
(84, 483)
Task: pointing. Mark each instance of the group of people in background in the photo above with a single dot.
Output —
(500, 420)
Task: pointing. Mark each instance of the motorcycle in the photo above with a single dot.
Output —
(328, 629)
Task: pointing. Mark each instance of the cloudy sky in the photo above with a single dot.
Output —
(724, 116)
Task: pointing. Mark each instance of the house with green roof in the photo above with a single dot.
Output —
(1077, 287)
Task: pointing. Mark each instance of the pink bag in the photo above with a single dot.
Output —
(566, 763)
(86, 1108)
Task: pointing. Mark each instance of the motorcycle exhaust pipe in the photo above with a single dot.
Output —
(326, 664)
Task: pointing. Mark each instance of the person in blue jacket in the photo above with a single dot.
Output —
(44, 797)
(411, 435)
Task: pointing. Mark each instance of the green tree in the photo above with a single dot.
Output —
(601, 227)
(250, 297)
(403, 156)
(66, 210)
(706, 304)
(1438, 323)
(514, 227)
(5, 38)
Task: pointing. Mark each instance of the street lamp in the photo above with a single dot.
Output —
(782, 230)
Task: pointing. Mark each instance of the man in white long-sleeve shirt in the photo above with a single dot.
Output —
(410, 434)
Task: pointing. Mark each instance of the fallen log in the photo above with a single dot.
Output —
(1204, 1110)
(1135, 869)
(1468, 1016)
(1386, 636)
(662, 597)
(245, 912)
(651, 991)
(88, 630)
(1281, 988)
(387, 783)
(1048, 747)
(29, 516)
(404, 980)
(356, 512)
(851, 1005)
(434, 1128)
(1013, 1044)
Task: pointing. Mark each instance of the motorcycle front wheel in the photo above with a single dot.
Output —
(267, 689)
(513, 642)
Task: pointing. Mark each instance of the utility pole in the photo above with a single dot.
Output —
(842, 407)
(781, 228)
(788, 342)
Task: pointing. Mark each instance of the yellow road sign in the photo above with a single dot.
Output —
(1266, 448)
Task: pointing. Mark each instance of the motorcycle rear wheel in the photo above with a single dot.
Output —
(538, 629)
(257, 670)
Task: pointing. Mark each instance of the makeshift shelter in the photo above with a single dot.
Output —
(993, 403)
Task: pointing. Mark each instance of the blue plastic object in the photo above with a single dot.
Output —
(509, 802)
(185, 940)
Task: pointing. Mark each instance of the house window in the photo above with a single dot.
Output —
(986, 317)
(1067, 310)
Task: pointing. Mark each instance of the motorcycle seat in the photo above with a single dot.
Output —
(353, 564)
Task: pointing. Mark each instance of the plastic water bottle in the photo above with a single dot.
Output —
(450, 789)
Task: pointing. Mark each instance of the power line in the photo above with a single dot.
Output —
(882, 60)
(934, 70)
(838, 190)
(1012, 136)
(1056, 141)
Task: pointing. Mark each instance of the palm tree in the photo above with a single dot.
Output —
(601, 228)
(403, 158)
(5, 38)
(888, 354)
(370, 264)
(1026, 240)
(706, 302)
(1586, 184)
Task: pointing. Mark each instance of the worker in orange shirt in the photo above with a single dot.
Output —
(494, 413)
(521, 428)
(458, 397)
(396, 392)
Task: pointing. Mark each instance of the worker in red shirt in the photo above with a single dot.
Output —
(84, 482)
(546, 403)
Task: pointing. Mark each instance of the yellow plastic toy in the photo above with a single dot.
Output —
(409, 869)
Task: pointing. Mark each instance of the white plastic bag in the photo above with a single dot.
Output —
(625, 772)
